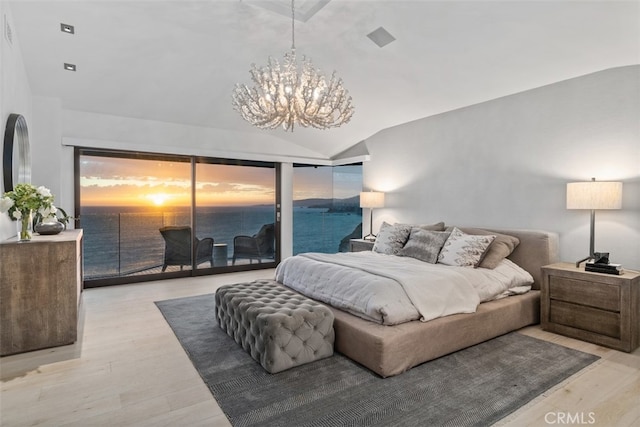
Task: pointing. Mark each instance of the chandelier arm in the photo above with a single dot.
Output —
(255, 110)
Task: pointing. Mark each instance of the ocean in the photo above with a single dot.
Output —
(121, 241)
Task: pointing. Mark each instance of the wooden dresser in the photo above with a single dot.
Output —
(595, 307)
(40, 287)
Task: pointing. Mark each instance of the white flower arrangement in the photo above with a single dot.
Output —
(25, 198)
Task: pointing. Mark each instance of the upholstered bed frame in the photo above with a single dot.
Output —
(391, 350)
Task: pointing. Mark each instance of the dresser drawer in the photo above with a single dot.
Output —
(586, 318)
(592, 294)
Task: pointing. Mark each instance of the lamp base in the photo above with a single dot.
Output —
(583, 260)
(370, 237)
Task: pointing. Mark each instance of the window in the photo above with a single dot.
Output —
(326, 208)
(138, 212)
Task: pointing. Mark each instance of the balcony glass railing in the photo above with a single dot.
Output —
(129, 243)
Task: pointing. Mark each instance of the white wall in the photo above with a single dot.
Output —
(15, 95)
(286, 217)
(506, 162)
(46, 150)
(88, 129)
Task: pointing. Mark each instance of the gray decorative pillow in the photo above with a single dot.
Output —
(464, 250)
(391, 238)
(424, 244)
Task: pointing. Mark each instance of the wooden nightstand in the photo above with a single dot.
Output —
(359, 245)
(595, 307)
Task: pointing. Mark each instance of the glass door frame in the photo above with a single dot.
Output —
(193, 160)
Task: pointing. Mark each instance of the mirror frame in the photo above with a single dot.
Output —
(16, 132)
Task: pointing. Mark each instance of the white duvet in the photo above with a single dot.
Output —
(390, 289)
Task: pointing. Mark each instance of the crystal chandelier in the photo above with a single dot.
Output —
(284, 95)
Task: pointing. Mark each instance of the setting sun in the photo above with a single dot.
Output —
(158, 199)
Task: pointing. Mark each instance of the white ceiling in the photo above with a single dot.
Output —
(177, 61)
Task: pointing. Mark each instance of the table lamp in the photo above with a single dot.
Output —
(593, 195)
(371, 200)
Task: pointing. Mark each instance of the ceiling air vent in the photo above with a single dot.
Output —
(381, 37)
(66, 28)
(304, 9)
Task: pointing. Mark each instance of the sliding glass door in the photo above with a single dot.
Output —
(138, 213)
(236, 205)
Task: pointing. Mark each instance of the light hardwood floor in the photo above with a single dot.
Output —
(128, 369)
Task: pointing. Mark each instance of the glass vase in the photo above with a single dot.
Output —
(25, 226)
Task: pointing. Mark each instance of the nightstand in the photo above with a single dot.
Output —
(359, 245)
(595, 307)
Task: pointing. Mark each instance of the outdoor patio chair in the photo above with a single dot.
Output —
(260, 245)
(177, 247)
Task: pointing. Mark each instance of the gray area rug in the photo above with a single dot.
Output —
(473, 387)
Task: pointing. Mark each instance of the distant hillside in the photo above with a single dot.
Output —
(334, 205)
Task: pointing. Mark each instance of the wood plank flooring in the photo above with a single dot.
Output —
(128, 369)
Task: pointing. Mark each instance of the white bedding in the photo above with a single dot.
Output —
(389, 289)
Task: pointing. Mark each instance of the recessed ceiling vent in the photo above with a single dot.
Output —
(381, 37)
(66, 28)
(305, 9)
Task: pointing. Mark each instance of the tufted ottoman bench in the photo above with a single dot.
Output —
(278, 327)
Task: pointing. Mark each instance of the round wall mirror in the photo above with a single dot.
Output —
(16, 154)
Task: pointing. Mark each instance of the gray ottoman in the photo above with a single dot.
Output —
(278, 327)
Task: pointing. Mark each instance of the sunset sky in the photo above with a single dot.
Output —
(106, 181)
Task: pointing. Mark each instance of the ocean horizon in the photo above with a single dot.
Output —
(124, 240)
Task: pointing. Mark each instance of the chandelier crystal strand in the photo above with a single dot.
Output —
(284, 95)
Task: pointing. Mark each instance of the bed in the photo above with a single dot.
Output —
(392, 349)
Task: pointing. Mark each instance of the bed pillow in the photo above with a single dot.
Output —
(424, 244)
(464, 250)
(501, 247)
(391, 238)
(438, 226)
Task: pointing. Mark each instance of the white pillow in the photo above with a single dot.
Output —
(391, 238)
(464, 250)
(519, 277)
(504, 280)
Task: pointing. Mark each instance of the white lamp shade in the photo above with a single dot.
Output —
(594, 195)
(371, 199)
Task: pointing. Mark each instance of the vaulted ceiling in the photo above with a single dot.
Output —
(178, 61)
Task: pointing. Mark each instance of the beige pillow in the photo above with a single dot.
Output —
(501, 247)
(438, 226)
